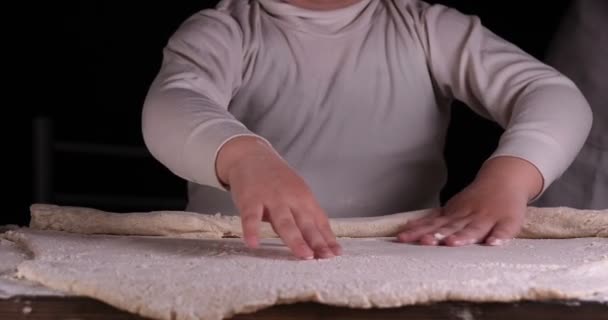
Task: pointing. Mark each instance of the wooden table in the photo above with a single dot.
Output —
(56, 308)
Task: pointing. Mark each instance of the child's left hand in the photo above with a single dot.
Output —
(490, 210)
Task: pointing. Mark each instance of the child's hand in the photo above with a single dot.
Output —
(487, 212)
(491, 210)
(265, 188)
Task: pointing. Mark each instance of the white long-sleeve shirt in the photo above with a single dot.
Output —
(356, 100)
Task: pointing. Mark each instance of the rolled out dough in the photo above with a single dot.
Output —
(212, 279)
(10, 257)
(183, 265)
(553, 223)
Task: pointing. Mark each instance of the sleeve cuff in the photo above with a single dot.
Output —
(201, 151)
(541, 151)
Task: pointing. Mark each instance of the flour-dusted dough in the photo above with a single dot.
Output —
(11, 255)
(212, 279)
(539, 223)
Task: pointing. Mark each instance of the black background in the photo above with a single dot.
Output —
(88, 69)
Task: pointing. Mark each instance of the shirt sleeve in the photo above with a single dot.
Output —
(545, 116)
(185, 118)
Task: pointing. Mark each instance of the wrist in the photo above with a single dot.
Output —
(512, 173)
(238, 151)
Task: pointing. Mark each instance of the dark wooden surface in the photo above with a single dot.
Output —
(56, 308)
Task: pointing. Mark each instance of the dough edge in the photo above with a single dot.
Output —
(539, 223)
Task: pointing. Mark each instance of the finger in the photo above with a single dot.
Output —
(324, 227)
(250, 221)
(445, 231)
(284, 225)
(414, 234)
(430, 239)
(474, 232)
(503, 232)
(328, 234)
(312, 235)
(434, 221)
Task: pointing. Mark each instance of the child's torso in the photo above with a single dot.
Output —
(354, 112)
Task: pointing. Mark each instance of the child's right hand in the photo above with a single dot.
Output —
(265, 188)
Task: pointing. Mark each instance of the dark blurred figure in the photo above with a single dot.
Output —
(580, 50)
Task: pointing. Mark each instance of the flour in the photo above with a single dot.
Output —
(10, 257)
(184, 265)
(162, 278)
